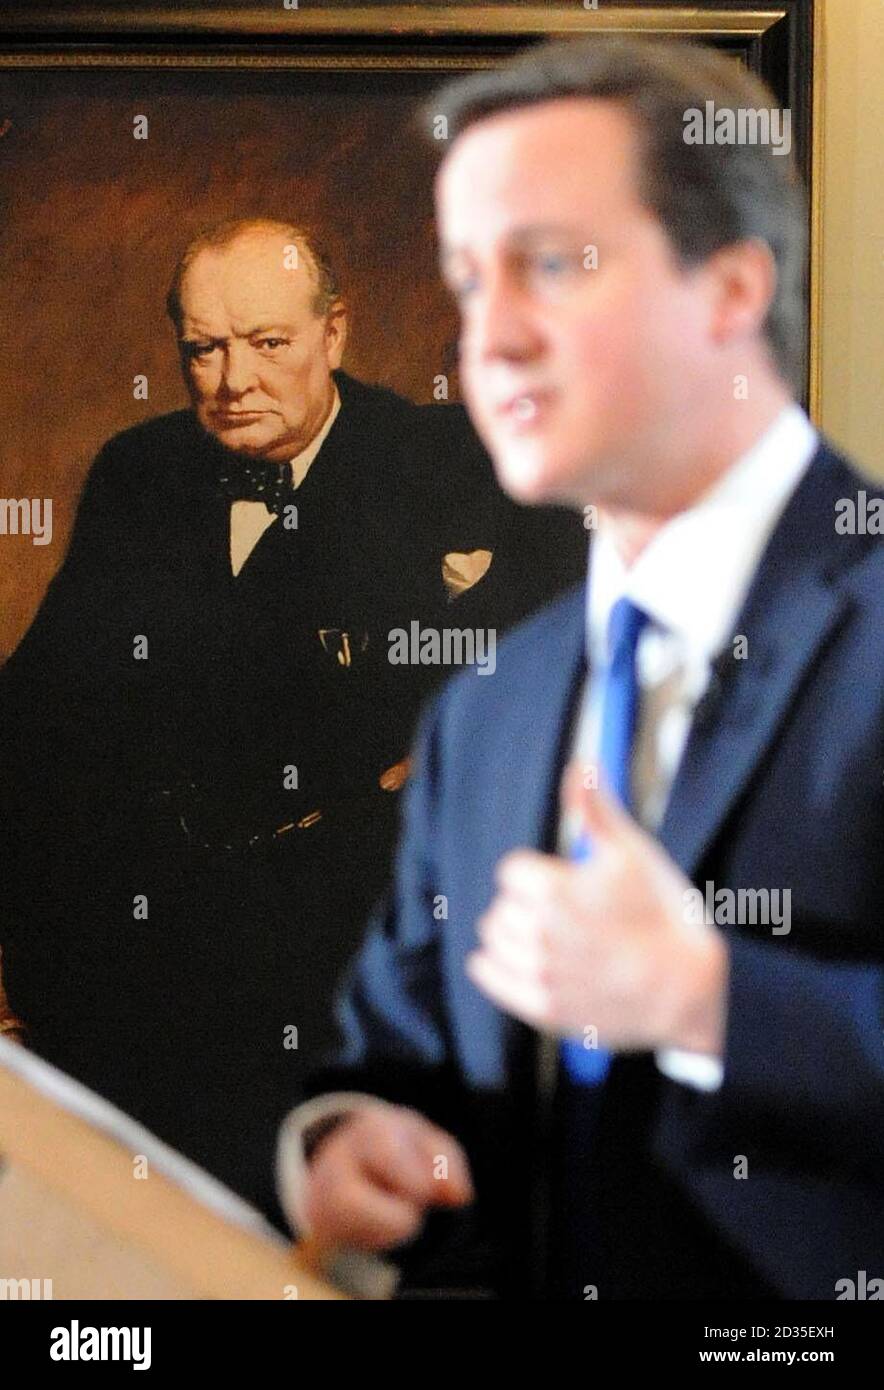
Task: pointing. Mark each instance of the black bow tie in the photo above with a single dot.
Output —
(256, 480)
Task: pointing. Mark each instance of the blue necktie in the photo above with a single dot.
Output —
(588, 1066)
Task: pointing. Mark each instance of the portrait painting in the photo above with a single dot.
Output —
(247, 527)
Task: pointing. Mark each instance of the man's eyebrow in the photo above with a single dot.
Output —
(519, 237)
(535, 229)
(196, 337)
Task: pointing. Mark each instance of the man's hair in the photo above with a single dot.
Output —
(223, 234)
(705, 196)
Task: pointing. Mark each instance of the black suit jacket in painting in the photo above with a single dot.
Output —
(188, 981)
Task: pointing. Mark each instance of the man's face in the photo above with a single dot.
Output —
(256, 358)
(576, 377)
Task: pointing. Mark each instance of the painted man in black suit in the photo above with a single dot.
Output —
(203, 733)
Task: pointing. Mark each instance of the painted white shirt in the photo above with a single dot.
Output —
(249, 520)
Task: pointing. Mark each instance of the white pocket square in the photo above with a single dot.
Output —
(461, 569)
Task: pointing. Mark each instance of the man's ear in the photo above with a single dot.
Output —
(335, 333)
(746, 282)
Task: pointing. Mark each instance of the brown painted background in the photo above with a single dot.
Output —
(92, 222)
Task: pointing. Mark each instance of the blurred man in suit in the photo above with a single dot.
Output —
(649, 1065)
(203, 732)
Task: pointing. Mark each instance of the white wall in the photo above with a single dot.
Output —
(852, 282)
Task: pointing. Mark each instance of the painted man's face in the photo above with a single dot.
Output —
(256, 357)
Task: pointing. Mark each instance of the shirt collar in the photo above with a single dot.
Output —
(302, 461)
(693, 576)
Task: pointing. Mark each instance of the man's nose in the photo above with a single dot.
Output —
(499, 322)
(238, 369)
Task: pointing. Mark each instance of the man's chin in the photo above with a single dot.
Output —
(248, 441)
(533, 480)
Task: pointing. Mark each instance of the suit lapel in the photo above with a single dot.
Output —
(791, 611)
(536, 730)
(191, 507)
(729, 742)
(546, 722)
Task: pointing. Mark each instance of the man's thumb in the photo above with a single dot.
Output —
(593, 812)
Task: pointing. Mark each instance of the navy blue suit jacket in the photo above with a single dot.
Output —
(781, 785)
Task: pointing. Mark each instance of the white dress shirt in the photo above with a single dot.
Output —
(249, 520)
(692, 579)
